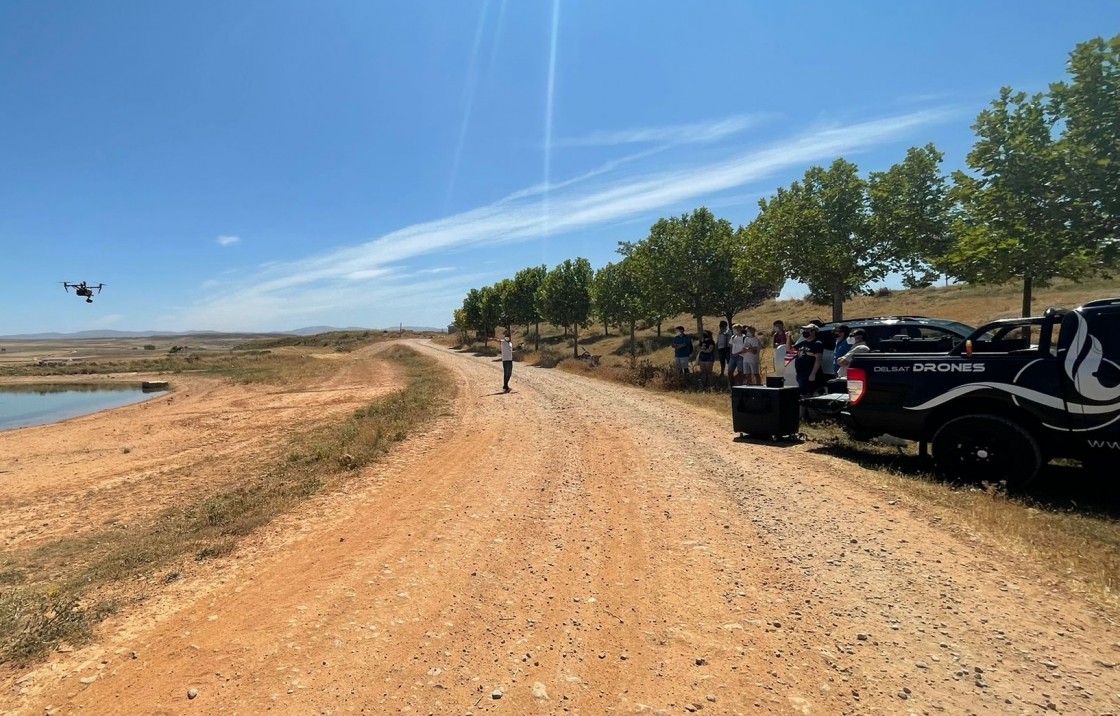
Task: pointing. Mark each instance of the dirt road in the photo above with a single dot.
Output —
(579, 547)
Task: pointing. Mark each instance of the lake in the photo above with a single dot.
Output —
(25, 405)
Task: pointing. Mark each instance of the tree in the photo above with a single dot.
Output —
(521, 300)
(564, 297)
(687, 264)
(819, 230)
(1088, 107)
(472, 311)
(504, 291)
(490, 309)
(1016, 218)
(911, 211)
(618, 294)
(753, 276)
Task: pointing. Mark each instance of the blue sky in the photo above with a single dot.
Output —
(266, 165)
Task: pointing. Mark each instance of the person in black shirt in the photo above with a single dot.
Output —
(807, 365)
(706, 358)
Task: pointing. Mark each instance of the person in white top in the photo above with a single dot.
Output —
(507, 360)
(751, 349)
(738, 345)
(858, 339)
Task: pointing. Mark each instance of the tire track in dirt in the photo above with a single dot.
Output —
(580, 547)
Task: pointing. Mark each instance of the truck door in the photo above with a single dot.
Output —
(1089, 350)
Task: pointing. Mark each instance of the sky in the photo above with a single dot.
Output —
(266, 165)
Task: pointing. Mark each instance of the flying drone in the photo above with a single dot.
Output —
(82, 289)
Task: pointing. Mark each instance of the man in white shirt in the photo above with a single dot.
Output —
(507, 360)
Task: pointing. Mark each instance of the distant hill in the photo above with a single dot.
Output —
(110, 334)
(104, 334)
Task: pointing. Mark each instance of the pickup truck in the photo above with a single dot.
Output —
(1014, 395)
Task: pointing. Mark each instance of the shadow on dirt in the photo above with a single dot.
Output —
(1059, 487)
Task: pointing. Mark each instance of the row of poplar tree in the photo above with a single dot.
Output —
(1040, 200)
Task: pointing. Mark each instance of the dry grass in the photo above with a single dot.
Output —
(57, 592)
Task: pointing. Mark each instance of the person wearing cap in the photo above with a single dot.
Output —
(807, 365)
(841, 333)
(858, 341)
(682, 350)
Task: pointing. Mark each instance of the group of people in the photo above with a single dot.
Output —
(809, 365)
(736, 348)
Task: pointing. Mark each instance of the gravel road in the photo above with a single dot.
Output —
(587, 548)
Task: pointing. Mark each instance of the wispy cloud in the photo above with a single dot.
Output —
(332, 281)
(695, 133)
(228, 240)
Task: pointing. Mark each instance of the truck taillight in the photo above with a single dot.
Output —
(857, 385)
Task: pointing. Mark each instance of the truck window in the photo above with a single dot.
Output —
(1006, 339)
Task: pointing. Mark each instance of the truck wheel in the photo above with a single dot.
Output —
(986, 447)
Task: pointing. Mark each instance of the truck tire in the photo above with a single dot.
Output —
(986, 447)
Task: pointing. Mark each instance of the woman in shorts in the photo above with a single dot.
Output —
(751, 351)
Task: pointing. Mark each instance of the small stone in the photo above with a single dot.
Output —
(539, 691)
(711, 698)
(921, 665)
(777, 625)
(862, 637)
(497, 694)
(903, 695)
(1049, 664)
(701, 662)
(135, 655)
(192, 693)
(87, 680)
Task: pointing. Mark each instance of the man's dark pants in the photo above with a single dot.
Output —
(507, 373)
(724, 359)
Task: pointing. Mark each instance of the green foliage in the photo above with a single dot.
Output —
(490, 309)
(619, 295)
(1015, 213)
(521, 302)
(911, 211)
(819, 229)
(1088, 107)
(564, 298)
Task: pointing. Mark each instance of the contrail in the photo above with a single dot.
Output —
(548, 110)
(469, 93)
(497, 36)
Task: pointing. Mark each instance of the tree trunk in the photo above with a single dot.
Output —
(575, 340)
(838, 302)
(730, 319)
(537, 341)
(659, 329)
(699, 327)
(1028, 286)
(633, 347)
(606, 332)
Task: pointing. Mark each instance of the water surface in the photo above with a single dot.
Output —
(25, 405)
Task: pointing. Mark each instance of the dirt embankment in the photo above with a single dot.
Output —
(580, 547)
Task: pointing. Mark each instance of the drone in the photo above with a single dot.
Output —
(82, 289)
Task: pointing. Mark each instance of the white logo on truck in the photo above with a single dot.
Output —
(949, 367)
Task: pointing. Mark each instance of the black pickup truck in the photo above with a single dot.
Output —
(1016, 394)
